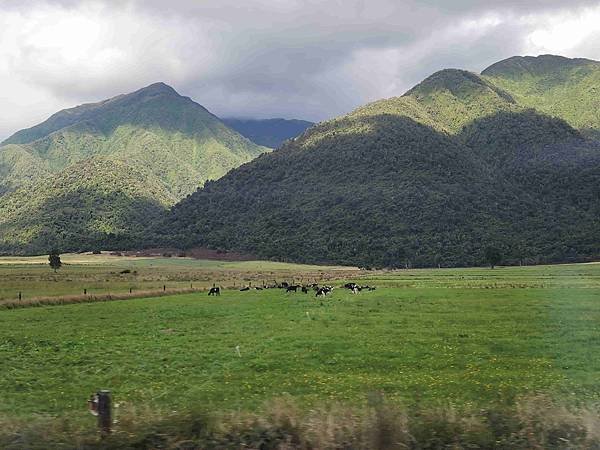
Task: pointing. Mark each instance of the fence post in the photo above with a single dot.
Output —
(104, 412)
(85, 292)
(20, 296)
(130, 290)
(164, 287)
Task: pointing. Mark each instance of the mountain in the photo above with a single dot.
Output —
(269, 132)
(558, 86)
(145, 150)
(457, 164)
(455, 98)
(95, 203)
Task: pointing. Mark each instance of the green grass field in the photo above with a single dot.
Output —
(458, 336)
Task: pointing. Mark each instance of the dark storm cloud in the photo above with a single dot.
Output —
(307, 59)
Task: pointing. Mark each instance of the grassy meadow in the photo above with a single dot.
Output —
(457, 336)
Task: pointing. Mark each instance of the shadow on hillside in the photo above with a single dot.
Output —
(525, 137)
(385, 190)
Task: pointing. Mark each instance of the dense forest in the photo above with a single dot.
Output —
(435, 177)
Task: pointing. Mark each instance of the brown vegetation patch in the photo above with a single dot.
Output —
(533, 423)
(91, 298)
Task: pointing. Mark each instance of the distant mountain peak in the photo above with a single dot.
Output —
(540, 64)
(459, 82)
(158, 88)
(89, 111)
(449, 77)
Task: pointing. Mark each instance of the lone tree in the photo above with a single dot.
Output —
(54, 260)
(493, 256)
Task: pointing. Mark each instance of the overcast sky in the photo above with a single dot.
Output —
(308, 59)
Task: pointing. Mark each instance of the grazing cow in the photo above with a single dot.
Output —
(304, 290)
(323, 291)
(244, 289)
(354, 286)
(258, 288)
(293, 288)
(355, 289)
(284, 285)
(214, 291)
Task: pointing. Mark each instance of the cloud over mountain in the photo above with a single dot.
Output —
(261, 58)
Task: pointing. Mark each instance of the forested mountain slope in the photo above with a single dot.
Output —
(455, 165)
(162, 145)
(558, 86)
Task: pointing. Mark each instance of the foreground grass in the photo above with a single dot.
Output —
(532, 423)
(459, 341)
(467, 346)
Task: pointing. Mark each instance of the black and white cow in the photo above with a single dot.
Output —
(323, 291)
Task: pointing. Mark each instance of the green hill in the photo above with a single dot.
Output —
(558, 86)
(96, 203)
(457, 164)
(176, 143)
(268, 132)
(454, 98)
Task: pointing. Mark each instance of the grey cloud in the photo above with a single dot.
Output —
(294, 58)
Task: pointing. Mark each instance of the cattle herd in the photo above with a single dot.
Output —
(320, 291)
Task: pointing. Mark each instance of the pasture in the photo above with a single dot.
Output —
(464, 337)
(104, 274)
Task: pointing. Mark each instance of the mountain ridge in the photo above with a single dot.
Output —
(533, 64)
(176, 142)
(554, 85)
(456, 164)
(69, 116)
